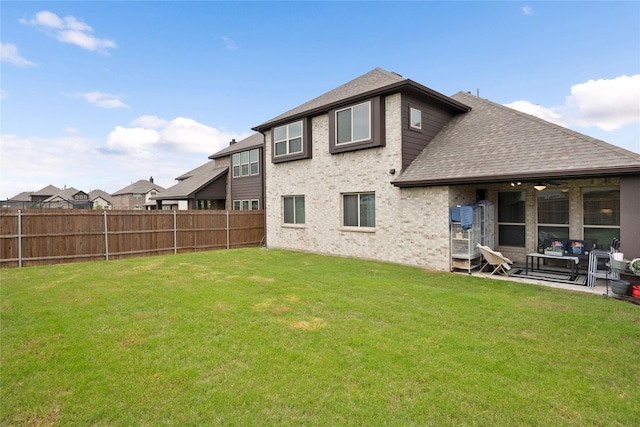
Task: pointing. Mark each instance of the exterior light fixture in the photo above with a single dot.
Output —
(540, 186)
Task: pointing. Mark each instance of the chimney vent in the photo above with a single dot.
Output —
(151, 180)
(233, 141)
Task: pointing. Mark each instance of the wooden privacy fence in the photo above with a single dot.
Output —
(38, 237)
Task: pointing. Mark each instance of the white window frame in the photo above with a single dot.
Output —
(337, 124)
(413, 111)
(296, 221)
(359, 225)
(246, 205)
(287, 139)
(238, 164)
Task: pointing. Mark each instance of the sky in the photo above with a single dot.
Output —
(97, 95)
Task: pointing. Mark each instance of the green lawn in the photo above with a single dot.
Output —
(267, 337)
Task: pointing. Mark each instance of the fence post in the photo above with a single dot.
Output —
(106, 236)
(175, 233)
(227, 229)
(19, 238)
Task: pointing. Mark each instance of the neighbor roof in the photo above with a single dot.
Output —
(253, 141)
(49, 190)
(25, 196)
(375, 82)
(194, 180)
(495, 143)
(66, 194)
(139, 187)
(94, 194)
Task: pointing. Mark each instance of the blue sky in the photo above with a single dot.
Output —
(96, 95)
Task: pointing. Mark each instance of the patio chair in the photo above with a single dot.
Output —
(496, 260)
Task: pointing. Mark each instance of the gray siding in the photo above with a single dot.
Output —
(246, 188)
(434, 117)
(630, 216)
(216, 190)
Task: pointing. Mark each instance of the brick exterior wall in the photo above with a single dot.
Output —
(411, 224)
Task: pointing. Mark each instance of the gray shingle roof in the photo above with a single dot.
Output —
(66, 194)
(374, 82)
(49, 190)
(94, 194)
(493, 142)
(253, 141)
(139, 187)
(25, 196)
(193, 181)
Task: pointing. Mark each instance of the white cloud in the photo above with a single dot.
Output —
(104, 100)
(153, 136)
(69, 30)
(229, 44)
(527, 10)
(9, 53)
(608, 104)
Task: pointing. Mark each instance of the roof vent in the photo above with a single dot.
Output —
(233, 141)
(151, 179)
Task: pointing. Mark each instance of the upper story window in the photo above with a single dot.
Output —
(137, 196)
(357, 126)
(353, 124)
(415, 118)
(245, 163)
(287, 139)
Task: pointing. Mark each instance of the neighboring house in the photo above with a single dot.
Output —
(100, 199)
(245, 160)
(204, 187)
(19, 201)
(136, 196)
(44, 193)
(371, 169)
(69, 198)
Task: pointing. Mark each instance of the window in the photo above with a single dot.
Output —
(359, 210)
(601, 210)
(293, 209)
(245, 163)
(553, 214)
(511, 218)
(137, 196)
(415, 118)
(204, 204)
(246, 205)
(353, 124)
(288, 139)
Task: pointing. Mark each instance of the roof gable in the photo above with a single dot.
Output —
(197, 179)
(254, 141)
(49, 190)
(139, 187)
(493, 142)
(376, 81)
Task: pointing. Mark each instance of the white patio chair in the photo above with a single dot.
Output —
(496, 260)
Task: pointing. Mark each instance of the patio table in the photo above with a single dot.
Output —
(538, 256)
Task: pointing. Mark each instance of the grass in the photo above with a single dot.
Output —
(267, 337)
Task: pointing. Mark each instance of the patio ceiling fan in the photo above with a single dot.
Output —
(541, 185)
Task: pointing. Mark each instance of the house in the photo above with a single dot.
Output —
(44, 193)
(136, 196)
(245, 160)
(371, 169)
(19, 201)
(69, 198)
(100, 199)
(204, 187)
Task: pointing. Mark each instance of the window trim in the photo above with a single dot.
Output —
(241, 203)
(238, 156)
(358, 227)
(305, 144)
(352, 108)
(377, 127)
(295, 222)
(411, 126)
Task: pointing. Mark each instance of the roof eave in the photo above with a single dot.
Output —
(391, 88)
(528, 177)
